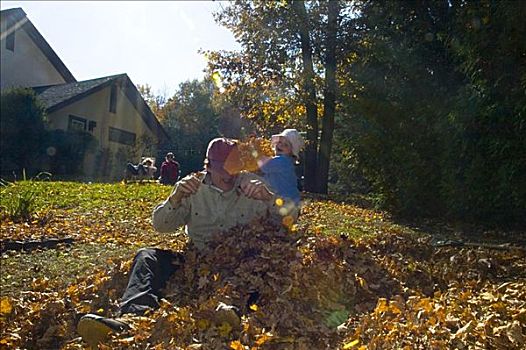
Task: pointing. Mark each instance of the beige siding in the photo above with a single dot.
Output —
(95, 107)
(27, 66)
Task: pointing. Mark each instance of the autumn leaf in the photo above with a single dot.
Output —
(5, 306)
(236, 345)
(351, 344)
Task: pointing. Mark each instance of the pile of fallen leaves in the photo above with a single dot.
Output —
(292, 289)
(299, 288)
(464, 298)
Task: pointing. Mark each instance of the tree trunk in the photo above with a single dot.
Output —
(310, 99)
(329, 102)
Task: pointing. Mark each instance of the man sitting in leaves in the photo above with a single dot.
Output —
(214, 200)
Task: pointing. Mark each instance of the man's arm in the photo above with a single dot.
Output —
(174, 212)
(168, 218)
(163, 170)
(257, 189)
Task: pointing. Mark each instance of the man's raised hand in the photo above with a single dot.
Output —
(256, 189)
(185, 187)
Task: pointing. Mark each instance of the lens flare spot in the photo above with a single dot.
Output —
(216, 77)
(287, 221)
(283, 211)
(51, 151)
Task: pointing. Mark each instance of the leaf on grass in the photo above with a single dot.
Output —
(5, 306)
(263, 338)
(351, 344)
(236, 345)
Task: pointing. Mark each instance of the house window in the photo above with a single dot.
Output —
(121, 136)
(76, 123)
(10, 41)
(113, 99)
(91, 125)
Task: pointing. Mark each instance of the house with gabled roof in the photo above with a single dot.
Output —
(111, 108)
(26, 50)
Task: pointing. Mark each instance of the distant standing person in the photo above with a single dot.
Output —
(279, 171)
(169, 170)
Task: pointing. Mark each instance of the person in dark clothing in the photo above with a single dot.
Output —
(145, 169)
(169, 170)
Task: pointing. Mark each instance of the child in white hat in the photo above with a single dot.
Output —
(279, 171)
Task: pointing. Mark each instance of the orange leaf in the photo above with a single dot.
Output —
(236, 345)
(5, 306)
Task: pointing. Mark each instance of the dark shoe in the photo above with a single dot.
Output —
(95, 329)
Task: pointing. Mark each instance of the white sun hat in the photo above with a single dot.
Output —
(294, 137)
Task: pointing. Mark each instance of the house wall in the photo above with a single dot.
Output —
(26, 66)
(95, 107)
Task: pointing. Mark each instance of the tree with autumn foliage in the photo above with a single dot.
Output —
(285, 74)
(153, 100)
(191, 120)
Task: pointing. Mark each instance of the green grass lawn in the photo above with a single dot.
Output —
(107, 222)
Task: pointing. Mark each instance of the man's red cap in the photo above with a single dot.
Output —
(223, 156)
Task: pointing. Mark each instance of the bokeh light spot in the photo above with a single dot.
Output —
(51, 151)
(287, 221)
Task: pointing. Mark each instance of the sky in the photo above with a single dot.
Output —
(154, 42)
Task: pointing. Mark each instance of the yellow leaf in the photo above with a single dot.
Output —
(351, 344)
(424, 304)
(5, 306)
(72, 289)
(393, 307)
(361, 281)
(381, 306)
(263, 338)
(253, 307)
(236, 345)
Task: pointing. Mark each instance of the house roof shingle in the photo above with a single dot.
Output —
(54, 96)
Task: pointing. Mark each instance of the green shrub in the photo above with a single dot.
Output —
(22, 130)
